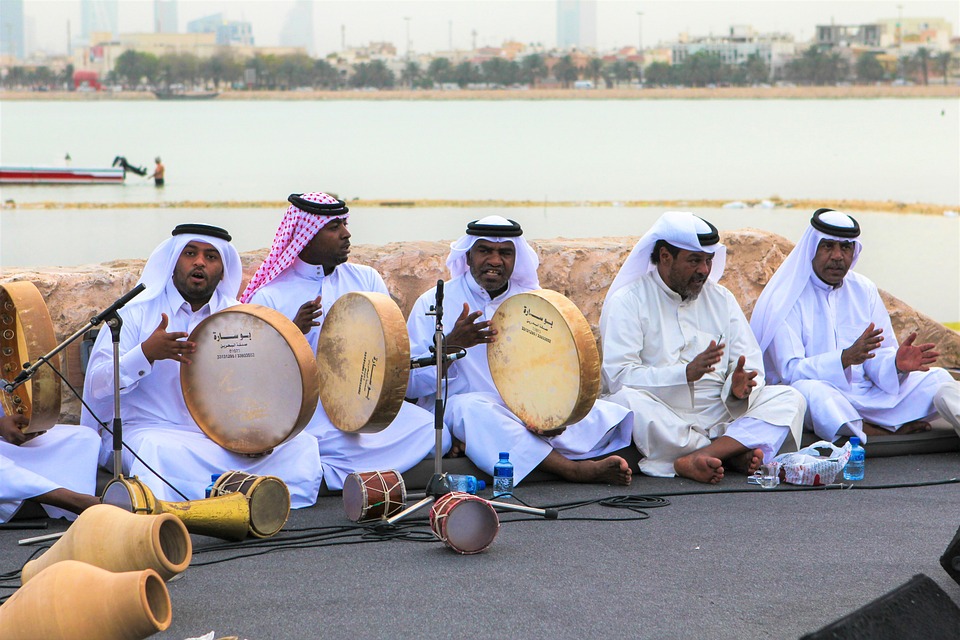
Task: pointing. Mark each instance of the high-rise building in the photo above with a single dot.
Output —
(11, 28)
(228, 31)
(165, 16)
(297, 29)
(99, 16)
(576, 24)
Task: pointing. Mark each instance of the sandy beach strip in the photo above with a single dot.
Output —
(689, 93)
(886, 206)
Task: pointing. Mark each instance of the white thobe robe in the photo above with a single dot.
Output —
(806, 353)
(63, 457)
(649, 335)
(156, 421)
(475, 412)
(409, 438)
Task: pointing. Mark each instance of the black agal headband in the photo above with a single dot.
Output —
(201, 230)
(337, 208)
(495, 230)
(825, 227)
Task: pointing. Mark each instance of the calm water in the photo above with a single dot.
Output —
(914, 257)
(905, 150)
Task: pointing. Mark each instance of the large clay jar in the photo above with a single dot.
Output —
(77, 601)
(116, 540)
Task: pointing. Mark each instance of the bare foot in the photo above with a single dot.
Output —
(457, 449)
(700, 467)
(871, 429)
(747, 462)
(914, 426)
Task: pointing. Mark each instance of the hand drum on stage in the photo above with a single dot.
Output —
(363, 356)
(252, 383)
(26, 333)
(544, 360)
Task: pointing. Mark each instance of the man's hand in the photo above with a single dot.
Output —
(10, 429)
(167, 346)
(703, 363)
(863, 348)
(307, 315)
(467, 332)
(743, 381)
(915, 357)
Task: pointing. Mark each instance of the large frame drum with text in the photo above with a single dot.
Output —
(544, 361)
(363, 356)
(252, 383)
(26, 333)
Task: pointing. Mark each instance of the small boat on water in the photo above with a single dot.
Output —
(186, 95)
(70, 175)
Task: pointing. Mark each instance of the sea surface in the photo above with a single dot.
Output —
(540, 151)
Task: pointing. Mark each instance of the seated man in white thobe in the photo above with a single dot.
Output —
(488, 265)
(56, 468)
(190, 276)
(678, 351)
(305, 272)
(825, 331)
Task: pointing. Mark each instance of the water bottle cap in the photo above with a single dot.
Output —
(481, 485)
(504, 455)
(854, 441)
(214, 477)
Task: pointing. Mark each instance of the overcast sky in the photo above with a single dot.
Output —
(433, 23)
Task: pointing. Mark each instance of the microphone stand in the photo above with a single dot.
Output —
(437, 485)
(113, 320)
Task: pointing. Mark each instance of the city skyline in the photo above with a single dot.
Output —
(436, 25)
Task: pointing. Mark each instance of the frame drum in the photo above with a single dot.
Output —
(544, 361)
(252, 384)
(465, 523)
(372, 495)
(268, 495)
(363, 356)
(26, 333)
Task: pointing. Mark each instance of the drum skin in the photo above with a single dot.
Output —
(464, 522)
(363, 358)
(268, 495)
(252, 383)
(544, 361)
(26, 333)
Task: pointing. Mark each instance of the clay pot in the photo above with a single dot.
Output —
(116, 540)
(79, 601)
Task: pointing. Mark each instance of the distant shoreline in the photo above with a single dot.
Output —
(884, 206)
(693, 93)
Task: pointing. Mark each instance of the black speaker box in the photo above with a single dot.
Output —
(918, 609)
(950, 560)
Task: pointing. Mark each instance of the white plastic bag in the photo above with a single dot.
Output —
(815, 465)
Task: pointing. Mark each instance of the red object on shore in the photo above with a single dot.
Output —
(60, 175)
(89, 79)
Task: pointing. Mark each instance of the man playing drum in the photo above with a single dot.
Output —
(190, 276)
(57, 468)
(305, 272)
(825, 331)
(488, 265)
(677, 350)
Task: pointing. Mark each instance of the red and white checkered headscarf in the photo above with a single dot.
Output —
(296, 230)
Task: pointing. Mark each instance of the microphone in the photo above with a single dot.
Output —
(116, 306)
(426, 361)
(439, 302)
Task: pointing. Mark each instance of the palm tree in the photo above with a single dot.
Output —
(595, 69)
(565, 71)
(411, 73)
(532, 69)
(923, 61)
(943, 63)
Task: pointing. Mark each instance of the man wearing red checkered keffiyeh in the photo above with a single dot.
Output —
(306, 272)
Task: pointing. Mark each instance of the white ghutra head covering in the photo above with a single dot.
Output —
(160, 265)
(496, 229)
(782, 292)
(681, 229)
(306, 215)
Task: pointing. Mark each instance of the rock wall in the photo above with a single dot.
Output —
(582, 270)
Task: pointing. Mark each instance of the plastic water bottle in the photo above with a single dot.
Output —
(503, 476)
(854, 467)
(213, 480)
(465, 484)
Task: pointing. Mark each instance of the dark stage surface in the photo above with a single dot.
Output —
(734, 562)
